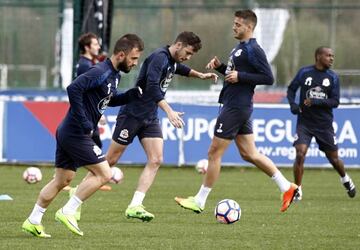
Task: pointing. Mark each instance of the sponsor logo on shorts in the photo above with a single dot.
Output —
(296, 137)
(219, 130)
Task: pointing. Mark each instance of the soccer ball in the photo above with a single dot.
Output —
(202, 166)
(32, 175)
(227, 211)
(116, 175)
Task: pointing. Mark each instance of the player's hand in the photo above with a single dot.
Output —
(209, 76)
(307, 102)
(175, 119)
(102, 120)
(232, 76)
(214, 63)
(295, 109)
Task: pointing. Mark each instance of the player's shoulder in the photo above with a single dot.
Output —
(161, 52)
(306, 69)
(332, 74)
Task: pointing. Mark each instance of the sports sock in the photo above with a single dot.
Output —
(71, 206)
(202, 195)
(37, 214)
(137, 199)
(281, 181)
(345, 179)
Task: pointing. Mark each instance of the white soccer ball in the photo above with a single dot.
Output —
(32, 175)
(227, 211)
(202, 166)
(117, 175)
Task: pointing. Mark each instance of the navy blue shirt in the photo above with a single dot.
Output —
(83, 65)
(154, 78)
(323, 88)
(249, 59)
(89, 95)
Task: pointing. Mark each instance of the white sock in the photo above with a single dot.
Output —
(37, 214)
(345, 179)
(137, 199)
(202, 195)
(71, 206)
(281, 181)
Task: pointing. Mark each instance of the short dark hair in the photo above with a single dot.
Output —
(248, 15)
(320, 50)
(128, 42)
(85, 40)
(189, 38)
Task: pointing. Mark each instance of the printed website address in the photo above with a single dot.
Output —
(290, 153)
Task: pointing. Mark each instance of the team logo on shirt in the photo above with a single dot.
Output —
(97, 150)
(230, 65)
(164, 84)
(316, 93)
(238, 52)
(124, 133)
(326, 82)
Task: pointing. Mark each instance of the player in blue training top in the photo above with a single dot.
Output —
(89, 95)
(319, 94)
(247, 67)
(140, 118)
(89, 50)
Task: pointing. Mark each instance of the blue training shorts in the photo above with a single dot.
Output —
(232, 122)
(127, 127)
(325, 137)
(74, 150)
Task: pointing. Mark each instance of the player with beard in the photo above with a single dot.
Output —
(319, 95)
(247, 67)
(140, 118)
(89, 95)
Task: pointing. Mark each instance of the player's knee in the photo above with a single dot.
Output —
(156, 161)
(246, 156)
(106, 176)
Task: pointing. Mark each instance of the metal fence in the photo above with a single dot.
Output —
(28, 35)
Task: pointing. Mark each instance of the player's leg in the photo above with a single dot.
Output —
(216, 151)
(298, 168)
(327, 143)
(153, 148)
(114, 152)
(66, 215)
(246, 146)
(47, 195)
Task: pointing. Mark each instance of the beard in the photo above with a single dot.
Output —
(123, 66)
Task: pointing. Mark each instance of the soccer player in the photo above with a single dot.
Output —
(140, 118)
(89, 50)
(89, 95)
(247, 67)
(319, 94)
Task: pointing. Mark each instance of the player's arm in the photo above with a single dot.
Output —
(332, 101)
(128, 96)
(184, 70)
(217, 65)
(173, 116)
(291, 94)
(263, 76)
(76, 90)
(153, 77)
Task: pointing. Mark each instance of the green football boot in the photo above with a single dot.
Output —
(36, 230)
(139, 212)
(69, 221)
(189, 203)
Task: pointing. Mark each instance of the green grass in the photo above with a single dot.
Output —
(325, 219)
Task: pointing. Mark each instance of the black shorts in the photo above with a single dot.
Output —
(325, 137)
(232, 122)
(76, 150)
(127, 127)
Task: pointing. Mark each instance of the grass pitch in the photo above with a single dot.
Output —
(325, 219)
